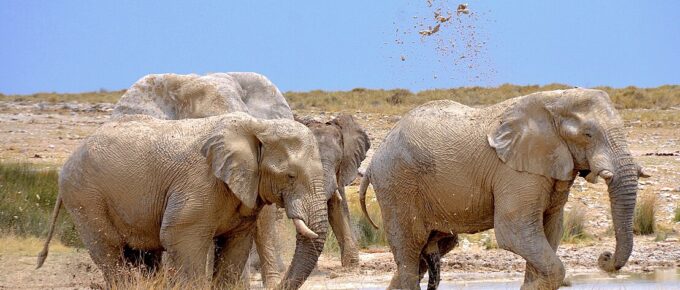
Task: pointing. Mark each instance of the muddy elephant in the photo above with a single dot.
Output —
(174, 97)
(448, 168)
(141, 183)
(342, 142)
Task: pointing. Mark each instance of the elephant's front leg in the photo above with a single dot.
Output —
(232, 254)
(553, 228)
(266, 238)
(186, 238)
(518, 219)
(338, 217)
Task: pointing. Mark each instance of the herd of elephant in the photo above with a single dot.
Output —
(188, 174)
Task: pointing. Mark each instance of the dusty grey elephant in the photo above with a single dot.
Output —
(174, 97)
(446, 168)
(342, 142)
(140, 183)
(343, 145)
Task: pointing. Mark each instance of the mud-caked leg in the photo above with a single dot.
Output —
(338, 217)
(407, 237)
(232, 254)
(519, 229)
(266, 239)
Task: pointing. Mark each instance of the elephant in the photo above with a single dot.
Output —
(449, 168)
(141, 183)
(342, 142)
(174, 97)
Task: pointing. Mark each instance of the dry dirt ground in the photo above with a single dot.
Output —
(46, 133)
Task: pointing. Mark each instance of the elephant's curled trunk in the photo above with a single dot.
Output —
(308, 250)
(622, 194)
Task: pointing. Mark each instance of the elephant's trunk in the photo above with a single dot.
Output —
(307, 250)
(622, 194)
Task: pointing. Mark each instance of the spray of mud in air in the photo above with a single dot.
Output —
(442, 42)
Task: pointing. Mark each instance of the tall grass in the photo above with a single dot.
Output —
(645, 209)
(574, 225)
(27, 197)
(367, 236)
(676, 218)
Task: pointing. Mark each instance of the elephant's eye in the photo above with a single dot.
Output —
(588, 135)
(291, 176)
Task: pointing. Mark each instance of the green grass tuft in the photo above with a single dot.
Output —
(676, 218)
(574, 225)
(643, 221)
(27, 197)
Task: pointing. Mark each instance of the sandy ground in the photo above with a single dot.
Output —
(45, 133)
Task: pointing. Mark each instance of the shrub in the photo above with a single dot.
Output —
(643, 220)
(676, 218)
(27, 197)
(574, 225)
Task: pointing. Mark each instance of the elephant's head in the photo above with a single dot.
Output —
(275, 161)
(560, 133)
(343, 145)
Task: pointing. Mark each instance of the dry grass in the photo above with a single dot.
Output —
(28, 246)
(645, 209)
(101, 96)
(398, 101)
(141, 279)
(574, 225)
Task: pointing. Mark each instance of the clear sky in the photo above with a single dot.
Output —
(74, 46)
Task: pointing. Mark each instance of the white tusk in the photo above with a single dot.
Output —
(642, 172)
(337, 195)
(591, 177)
(606, 174)
(302, 228)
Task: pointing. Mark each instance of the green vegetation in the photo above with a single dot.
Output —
(398, 101)
(643, 220)
(676, 218)
(27, 197)
(574, 225)
(367, 235)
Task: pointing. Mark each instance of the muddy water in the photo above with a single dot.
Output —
(658, 280)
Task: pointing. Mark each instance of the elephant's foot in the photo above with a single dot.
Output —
(271, 280)
(350, 259)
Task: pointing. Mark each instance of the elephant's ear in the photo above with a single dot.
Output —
(233, 158)
(526, 140)
(354, 146)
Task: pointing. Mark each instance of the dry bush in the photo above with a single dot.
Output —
(645, 209)
(574, 225)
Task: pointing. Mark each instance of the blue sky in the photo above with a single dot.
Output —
(74, 46)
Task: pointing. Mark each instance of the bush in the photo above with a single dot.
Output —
(574, 225)
(676, 218)
(643, 221)
(27, 197)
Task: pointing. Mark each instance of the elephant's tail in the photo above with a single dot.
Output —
(55, 213)
(362, 195)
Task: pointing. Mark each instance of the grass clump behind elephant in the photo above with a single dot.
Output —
(141, 185)
(446, 168)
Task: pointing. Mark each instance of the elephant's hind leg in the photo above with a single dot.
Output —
(101, 238)
(407, 236)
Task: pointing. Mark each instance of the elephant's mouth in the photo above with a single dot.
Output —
(583, 173)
